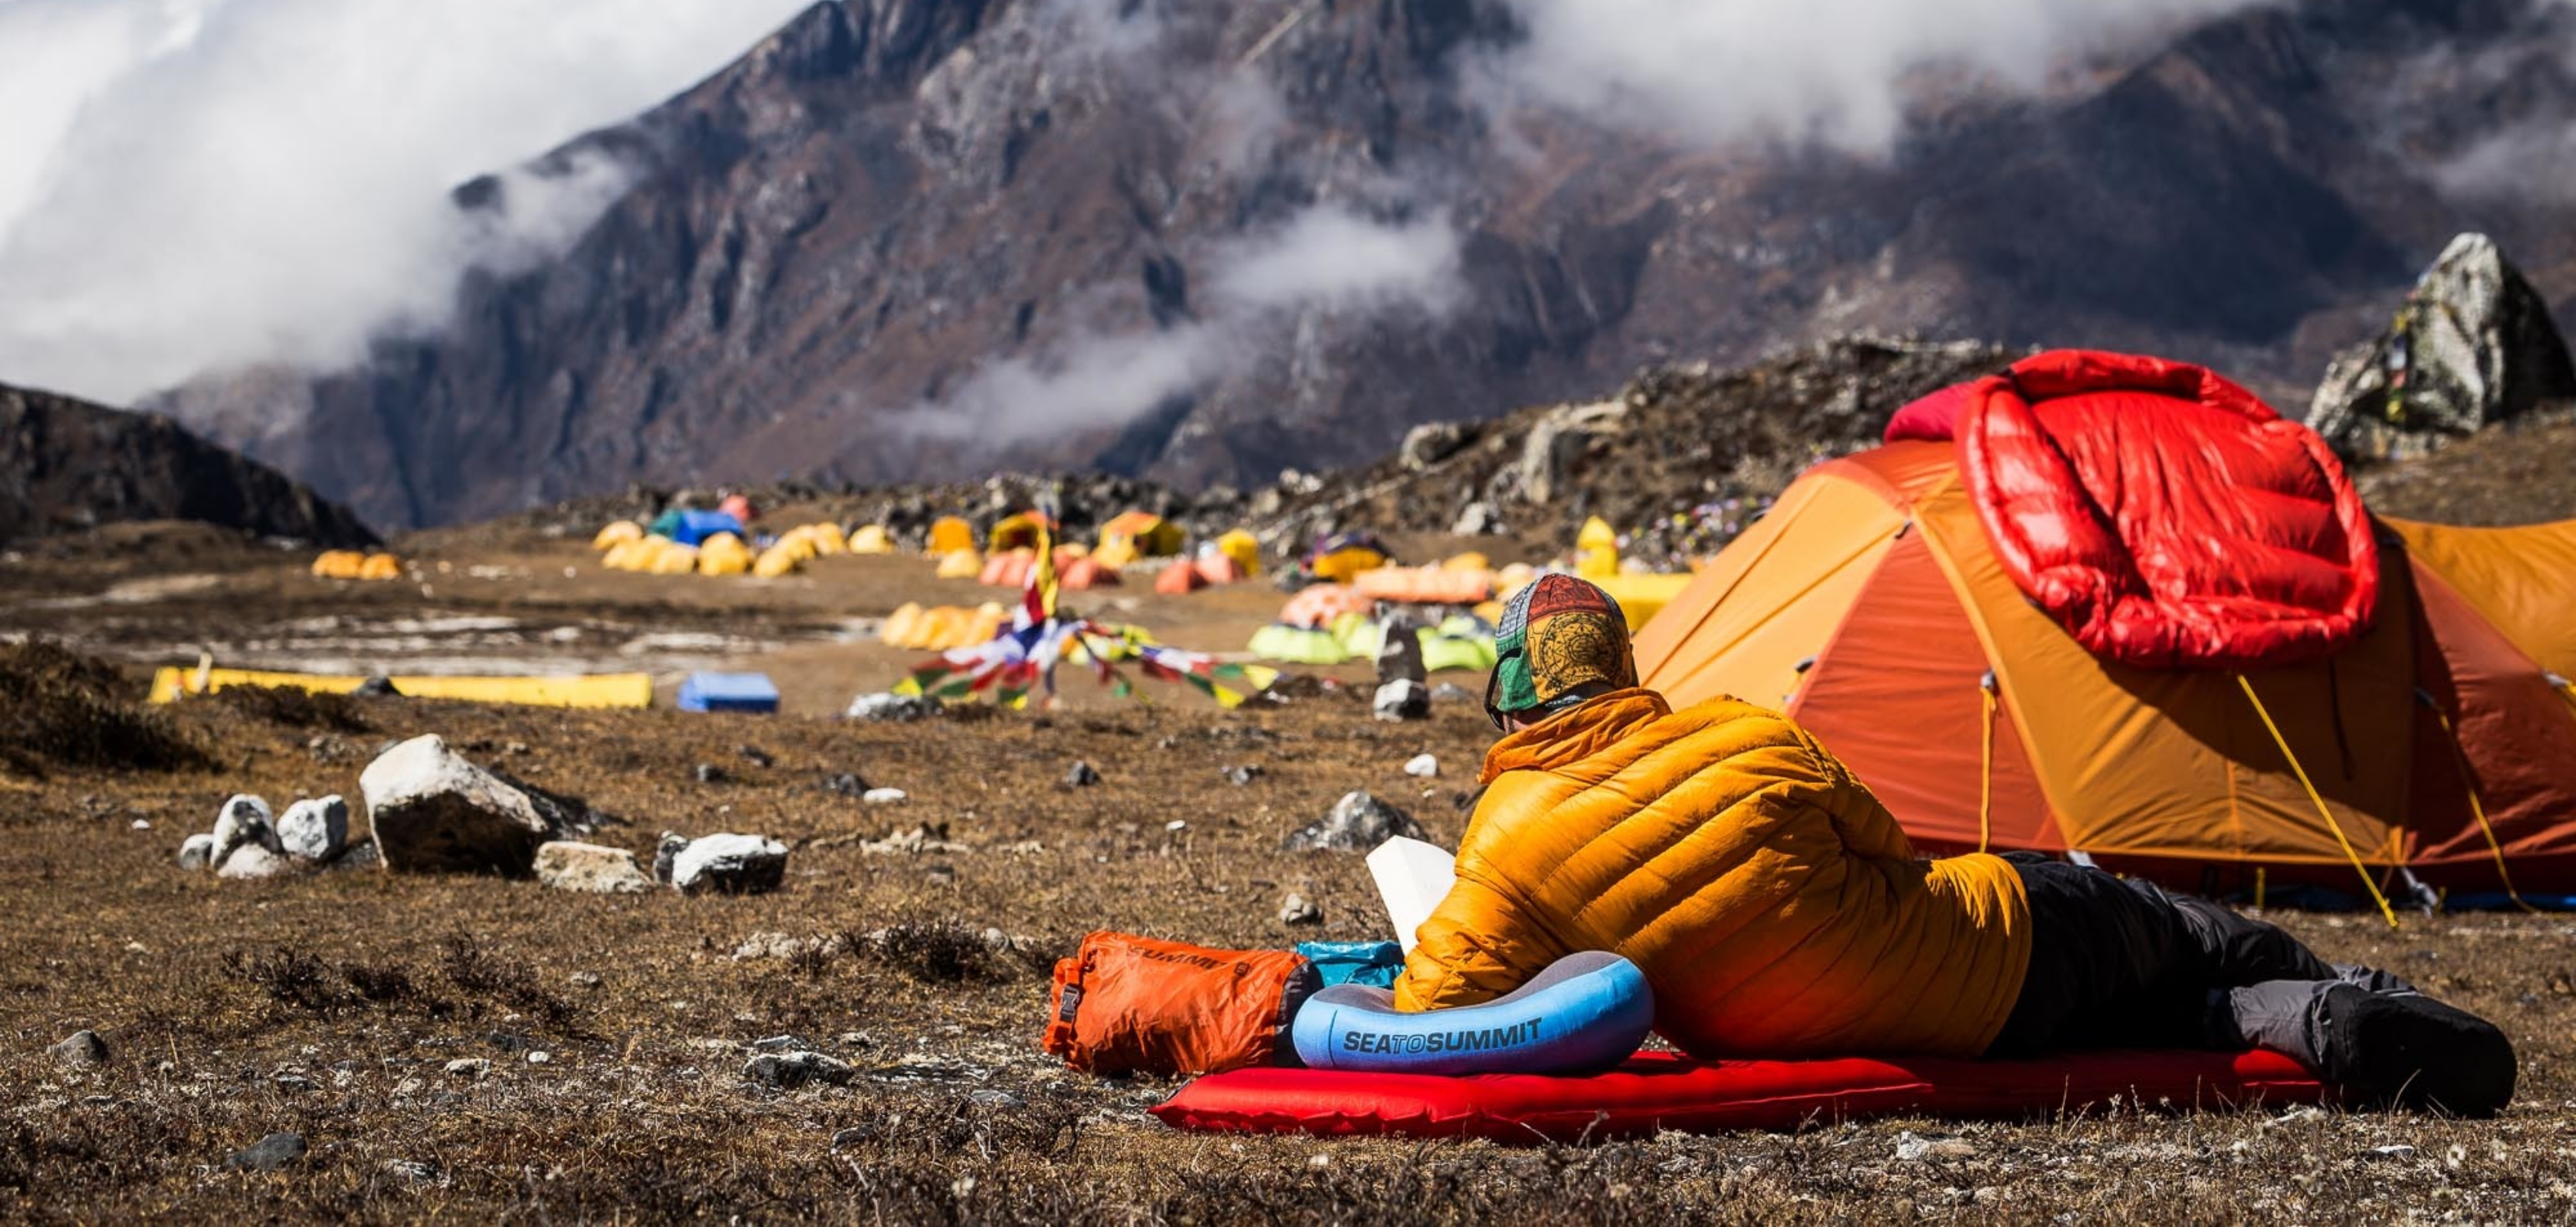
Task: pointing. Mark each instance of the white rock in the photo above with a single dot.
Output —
(902, 708)
(1403, 699)
(567, 865)
(1422, 766)
(251, 861)
(433, 811)
(317, 829)
(197, 852)
(245, 819)
(884, 796)
(729, 865)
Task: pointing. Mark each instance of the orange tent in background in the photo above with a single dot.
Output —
(1180, 579)
(1220, 569)
(1074, 575)
(1319, 605)
(1425, 585)
(1008, 569)
(1870, 605)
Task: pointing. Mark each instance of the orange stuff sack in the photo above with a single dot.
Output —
(1128, 1004)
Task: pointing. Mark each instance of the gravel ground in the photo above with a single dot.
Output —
(395, 1022)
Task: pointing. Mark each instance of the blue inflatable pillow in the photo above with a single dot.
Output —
(1585, 1013)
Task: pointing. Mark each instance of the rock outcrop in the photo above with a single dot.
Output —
(70, 466)
(2472, 346)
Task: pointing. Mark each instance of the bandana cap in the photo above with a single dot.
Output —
(1559, 635)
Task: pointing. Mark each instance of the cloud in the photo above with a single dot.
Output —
(187, 185)
(1328, 258)
(1717, 72)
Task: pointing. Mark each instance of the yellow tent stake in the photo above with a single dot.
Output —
(2479, 810)
(2322, 812)
(2258, 888)
(1986, 766)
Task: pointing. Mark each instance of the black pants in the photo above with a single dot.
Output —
(2123, 964)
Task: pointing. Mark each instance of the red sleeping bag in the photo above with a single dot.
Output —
(1658, 1091)
(2165, 516)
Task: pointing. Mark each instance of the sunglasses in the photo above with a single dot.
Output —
(1493, 680)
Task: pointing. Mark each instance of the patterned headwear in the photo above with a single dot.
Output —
(1558, 635)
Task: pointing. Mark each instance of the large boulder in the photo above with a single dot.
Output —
(1399, 652)
(2474, 345)
(1561, 439)
(434, 812)
(591, 868)
(1431, 443)
(1358, 823)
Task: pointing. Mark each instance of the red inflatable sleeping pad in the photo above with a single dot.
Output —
(1659, 1091)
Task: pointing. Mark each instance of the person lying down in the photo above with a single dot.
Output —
(1777, 910)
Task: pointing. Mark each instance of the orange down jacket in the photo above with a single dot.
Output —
(1773, 904)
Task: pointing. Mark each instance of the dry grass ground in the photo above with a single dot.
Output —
(335, 1005)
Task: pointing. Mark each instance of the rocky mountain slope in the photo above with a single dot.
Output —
(915, 239)
(68, 466)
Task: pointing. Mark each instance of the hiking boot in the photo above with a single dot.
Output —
(2408, 1050)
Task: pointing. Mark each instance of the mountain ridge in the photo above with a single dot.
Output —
(837, 242)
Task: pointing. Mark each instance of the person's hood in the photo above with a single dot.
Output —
(1576, 733)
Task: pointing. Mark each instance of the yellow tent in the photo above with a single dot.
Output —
(940, 627)
(1596, 550)
(1146, 534)
(1243, 548)
(871, 539)
(723, 554)
(961, 564)
(617, 533)
(781, 559)
(827, 539)
(949, 534)
(673, 559)
(1115, 552)
(380, 566)
(1019, 532)
(339, 564)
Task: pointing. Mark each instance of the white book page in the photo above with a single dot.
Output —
(1412, 877)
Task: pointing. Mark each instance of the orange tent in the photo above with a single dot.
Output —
(1220, 569)
(1425, 585)
(1870, 605)
(1319, 605)
(1008, 569)
(1074, 575)
(1180, 579)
